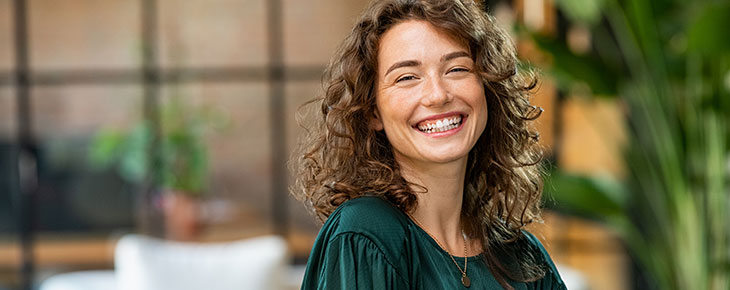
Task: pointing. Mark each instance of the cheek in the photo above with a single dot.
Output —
(394, 110)
(385, 113)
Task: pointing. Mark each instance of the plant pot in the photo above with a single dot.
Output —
(182, 216)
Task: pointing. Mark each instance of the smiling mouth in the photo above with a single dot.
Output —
(440, 125)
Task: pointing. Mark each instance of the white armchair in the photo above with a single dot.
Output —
(144, 263)
(81, 280)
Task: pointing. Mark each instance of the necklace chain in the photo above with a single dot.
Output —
(464, 277)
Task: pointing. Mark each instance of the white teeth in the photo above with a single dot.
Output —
(441, 125)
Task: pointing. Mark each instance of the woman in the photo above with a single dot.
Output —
(421, 161)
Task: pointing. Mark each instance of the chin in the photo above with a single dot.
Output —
(446, 157)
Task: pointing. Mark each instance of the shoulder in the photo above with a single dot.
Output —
(552, 279)
(369, 213)
(372, 218)
(532, 239)
(536, 246)
(360, 246)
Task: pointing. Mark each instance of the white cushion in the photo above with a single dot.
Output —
(144, 263)
(572, 278)
(81, 280)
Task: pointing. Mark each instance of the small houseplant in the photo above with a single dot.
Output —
(182, 162)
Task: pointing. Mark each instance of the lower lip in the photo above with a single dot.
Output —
(445, 133)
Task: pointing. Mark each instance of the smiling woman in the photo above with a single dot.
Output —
(423, 164)
(430, 101)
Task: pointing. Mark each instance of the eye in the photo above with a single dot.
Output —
(405, 78)
(458, 69)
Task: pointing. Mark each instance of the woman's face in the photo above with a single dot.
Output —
(430, 100)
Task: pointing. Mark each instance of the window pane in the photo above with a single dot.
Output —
(313, 29)
(8, 107)
(84, 34)
(8, 137)
(212, 33)
(7, 43)
(75, 196)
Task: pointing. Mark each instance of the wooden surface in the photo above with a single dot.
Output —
(82, 252)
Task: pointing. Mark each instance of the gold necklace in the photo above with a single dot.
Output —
(464, 278)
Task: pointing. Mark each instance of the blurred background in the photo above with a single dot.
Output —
(175, 119)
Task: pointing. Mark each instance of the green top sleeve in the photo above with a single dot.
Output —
(359, 247)
(352, 261)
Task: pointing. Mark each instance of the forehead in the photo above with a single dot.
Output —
(417, 38)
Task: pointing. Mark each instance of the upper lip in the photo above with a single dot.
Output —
(439, 117)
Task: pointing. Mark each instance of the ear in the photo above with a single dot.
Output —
(375, 122)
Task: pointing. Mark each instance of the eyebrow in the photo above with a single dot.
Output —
(407, 63)
(454, 55)
(400, 64)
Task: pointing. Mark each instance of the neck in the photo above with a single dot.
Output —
(439, 209)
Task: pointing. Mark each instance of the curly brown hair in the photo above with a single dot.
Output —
(343, 157)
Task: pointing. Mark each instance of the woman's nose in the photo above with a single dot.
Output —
(435, 94)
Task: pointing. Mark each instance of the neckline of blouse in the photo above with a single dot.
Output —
(435, 244)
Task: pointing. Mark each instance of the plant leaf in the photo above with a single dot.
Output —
(592, 197)
(569, 68)
(709, 33)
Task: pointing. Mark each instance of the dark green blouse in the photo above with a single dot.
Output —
(367, 243)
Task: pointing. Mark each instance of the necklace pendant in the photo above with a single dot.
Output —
(465, 281)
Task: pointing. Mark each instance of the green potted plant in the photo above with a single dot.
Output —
(183, 161)
(669, 63)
